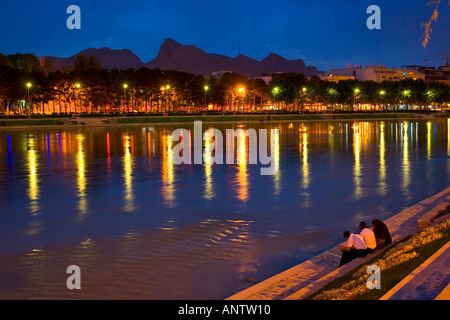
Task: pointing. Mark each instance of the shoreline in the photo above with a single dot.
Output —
(110, 122)
(308, 277)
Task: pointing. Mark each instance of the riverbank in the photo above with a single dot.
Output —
(307, 278)
(397, 264)
(37, 121)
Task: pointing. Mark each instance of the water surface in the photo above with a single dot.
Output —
(111, 201)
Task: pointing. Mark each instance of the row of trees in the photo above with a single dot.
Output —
(350, 95)
(86, 86)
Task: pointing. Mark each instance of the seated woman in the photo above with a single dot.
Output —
(382, 235)
(354, 248)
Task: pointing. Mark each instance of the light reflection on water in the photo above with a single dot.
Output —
(81, 178)
(112, 201)
(33, 190)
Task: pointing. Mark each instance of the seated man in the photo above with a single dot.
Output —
(355, 248)
(368, 237)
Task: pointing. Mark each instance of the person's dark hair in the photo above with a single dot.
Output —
(362, 225)
(347, 234)
(381, 231)
(377, 223)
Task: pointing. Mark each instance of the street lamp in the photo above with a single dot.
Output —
(304, 89)
(167, 97)
(206, 89)
(125, 86)
(430, 95)
(29, 85)
(275, 92)
(406, 94)
(166, 89)
(382, 94)
(356, 93)
(77, 86)
(59, 101)
(241, 90)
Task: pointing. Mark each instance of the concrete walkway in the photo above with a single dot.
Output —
(309, 276)
(427, 281)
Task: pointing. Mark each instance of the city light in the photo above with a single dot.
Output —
(243, 95)
(28, 93)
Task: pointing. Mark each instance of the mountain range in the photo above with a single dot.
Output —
(189, 58)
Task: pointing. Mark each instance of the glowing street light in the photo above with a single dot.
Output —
(356, 98)
(206, 89)
(77, 86)
(29, 85)
(241, 91)
(302, 98)
(77, 100)
(166, 88)
(276, 90)
(406, 94)
(125, 86)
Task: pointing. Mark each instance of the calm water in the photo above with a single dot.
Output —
(111, 201)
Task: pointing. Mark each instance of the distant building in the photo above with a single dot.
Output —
(441, 74)
(219, 74)
(265, 78)
(335, 78)
(377, 73)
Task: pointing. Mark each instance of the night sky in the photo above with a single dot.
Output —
(326, 33)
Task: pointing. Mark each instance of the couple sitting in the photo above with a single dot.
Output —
(359, 245)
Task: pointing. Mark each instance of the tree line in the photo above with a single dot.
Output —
(85, 86)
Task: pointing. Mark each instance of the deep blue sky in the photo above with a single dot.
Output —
(325, 33)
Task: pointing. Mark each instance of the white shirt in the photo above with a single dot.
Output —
(369, 238)
(355, 240)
